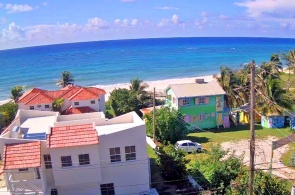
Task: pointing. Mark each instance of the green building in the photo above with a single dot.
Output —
(202, 103)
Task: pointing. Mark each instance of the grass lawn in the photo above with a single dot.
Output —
(218, 136)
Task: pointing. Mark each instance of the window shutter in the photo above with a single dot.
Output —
(196, 101)
(187, 118)
(194, 119)
(180, 102)
(207, 100)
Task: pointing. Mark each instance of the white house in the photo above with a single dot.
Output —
(76, 99)
(82, 154)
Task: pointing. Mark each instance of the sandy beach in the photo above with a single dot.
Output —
(160, 85)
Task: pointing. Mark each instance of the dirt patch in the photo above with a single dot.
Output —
(263, 156)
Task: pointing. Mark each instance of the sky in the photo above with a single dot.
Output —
(25, 23)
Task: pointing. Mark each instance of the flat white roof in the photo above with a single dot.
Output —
(109, 129)
(38, 124)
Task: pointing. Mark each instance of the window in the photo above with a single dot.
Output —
(191, 144)
(130, 153)
(66, 161)
(201, 117)
(107, 189)
(39, 106)
(185, 102)
(23, 169)
(31, 107)
(84, 159)
(46, 106)
(76, 103)
(92, 102)
(115, 154)
(213, 114)
(201, 100)
(184, 144)
(53, 192)
(47, 161)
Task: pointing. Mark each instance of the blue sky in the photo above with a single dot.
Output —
(26, 23)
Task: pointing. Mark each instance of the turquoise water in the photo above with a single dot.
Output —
(110, 62)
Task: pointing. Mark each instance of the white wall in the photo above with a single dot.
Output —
(102, 105)
(77, 174)
(83, 103)
(25, 114)
(128, 176)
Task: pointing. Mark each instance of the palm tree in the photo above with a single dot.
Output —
(57, 104)
(138, 88)
(16, 93)
(66, 79)
(290, 58)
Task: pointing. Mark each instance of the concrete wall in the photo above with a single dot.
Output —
(171, 103)
(76, 174)
(128, 176)
(25, 114)
(80, 116)
(83, 103)
(102, 105)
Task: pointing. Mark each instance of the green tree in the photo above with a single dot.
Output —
(57, 104)
(7, 112)
(66, 79)
(170, 125)
(16, 92)
(138, 88)
(264, 184)
(122, 101)
(172, 163)
(217, 170)
(290, 58)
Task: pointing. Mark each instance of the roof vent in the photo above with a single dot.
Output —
(200, 81)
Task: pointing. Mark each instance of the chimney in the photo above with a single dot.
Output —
(200, 81)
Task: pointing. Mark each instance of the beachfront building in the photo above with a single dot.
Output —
(47, 153)
(77, 99)
(201, 102)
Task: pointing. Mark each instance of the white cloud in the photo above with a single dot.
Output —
(134, 22)
(175, 19)
(277, 8)
(116, 21)
(15, 8)
(167, 8)
(97, 23)
(13, 33)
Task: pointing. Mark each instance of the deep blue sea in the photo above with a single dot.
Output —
(110, 62)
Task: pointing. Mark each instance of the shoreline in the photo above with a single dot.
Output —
(160, 85)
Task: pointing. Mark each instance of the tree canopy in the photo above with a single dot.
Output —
(16, 92)
(271, 96)
(66, 79)
(7, 113)
(57, 104)
(170, 125)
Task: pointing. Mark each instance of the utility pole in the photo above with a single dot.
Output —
(154, 115)
(252, 132)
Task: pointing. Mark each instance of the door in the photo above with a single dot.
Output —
(219, 118)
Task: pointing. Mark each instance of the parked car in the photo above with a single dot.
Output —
(188, 146)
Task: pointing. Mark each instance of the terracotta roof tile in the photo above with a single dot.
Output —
(75, 135)
(22, 155)
(39, 96)
(78, 110)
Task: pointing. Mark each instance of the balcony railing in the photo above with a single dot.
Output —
(26, 186)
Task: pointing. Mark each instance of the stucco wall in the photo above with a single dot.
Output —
(76, 174)
(128, 176)
(83, 103)
(170, 102)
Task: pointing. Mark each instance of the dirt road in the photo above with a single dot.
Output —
(263, 156)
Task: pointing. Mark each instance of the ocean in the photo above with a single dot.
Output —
(118, 61)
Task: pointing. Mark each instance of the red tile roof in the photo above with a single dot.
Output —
(75, 135)
(39, 96)
(22, 155)
(78, 110)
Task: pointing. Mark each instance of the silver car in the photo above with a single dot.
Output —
(188, 146)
